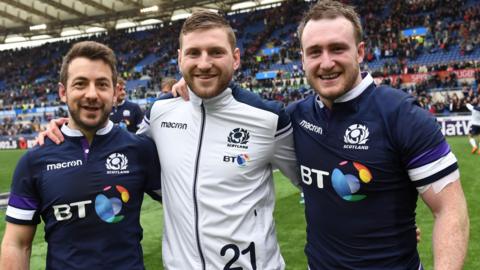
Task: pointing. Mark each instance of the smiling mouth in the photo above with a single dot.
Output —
(90, 108)
(331, 76)
(205, 76)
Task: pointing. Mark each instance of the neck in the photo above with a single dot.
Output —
(89, 133)
(327, 102)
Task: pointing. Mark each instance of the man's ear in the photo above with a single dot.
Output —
(115, 94)
(360, 52)
(62, 92)
(236, 57)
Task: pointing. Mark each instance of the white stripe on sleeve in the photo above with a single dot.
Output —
(18, 213)
(432, 168)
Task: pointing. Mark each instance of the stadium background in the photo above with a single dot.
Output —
(429, 48)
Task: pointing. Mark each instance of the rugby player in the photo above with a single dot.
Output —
(89, 190)
(474, 125)
(365, 153)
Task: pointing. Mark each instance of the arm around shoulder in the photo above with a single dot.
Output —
(451, 225)
(17, 246)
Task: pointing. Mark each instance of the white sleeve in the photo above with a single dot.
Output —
(284, 157)
(470, 107)
(144, 127)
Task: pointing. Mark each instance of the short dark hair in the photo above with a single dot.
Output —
(168, 81)
(91, 50)
(329, 9)
(206, 20)
(120, 80)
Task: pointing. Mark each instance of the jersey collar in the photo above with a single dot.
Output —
(215, 102)
(76, 133)
(355, 92)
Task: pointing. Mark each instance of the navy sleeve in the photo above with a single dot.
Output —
(278, 108)
(415, 130)
(424, 151)
(138, 116)
(24, 201)
(152, 167)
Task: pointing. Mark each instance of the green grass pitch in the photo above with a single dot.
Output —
(288, 215)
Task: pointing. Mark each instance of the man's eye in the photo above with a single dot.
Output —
(79, 84)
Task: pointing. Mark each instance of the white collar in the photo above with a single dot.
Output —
(355, 92)
(217, 101)
(77, 133)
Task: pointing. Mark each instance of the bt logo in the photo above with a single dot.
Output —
(108, 208)
(64, 211)
(345, 185)
(241, 160)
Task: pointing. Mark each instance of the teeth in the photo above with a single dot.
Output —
(330, 76)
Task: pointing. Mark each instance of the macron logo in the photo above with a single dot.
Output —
(62, 165)
(174, 125)
(311, 127)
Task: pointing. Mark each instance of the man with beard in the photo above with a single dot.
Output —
(217, 152)
(88, 190)
(365, 153)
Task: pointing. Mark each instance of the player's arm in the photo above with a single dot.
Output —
(451, 225)
(180, 88)
(144, 127)
(284, 157)
(17, 246)
(433, 170)
(151, 162)
(469, 107)
(138, 116)
(285, 160)
(52, 132)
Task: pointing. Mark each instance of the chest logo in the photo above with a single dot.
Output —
(356, 136)
(117, 164)
(238, 138)
(241, 160)
(63, 165)
(108, 208)
(309, 126)
(347, 185)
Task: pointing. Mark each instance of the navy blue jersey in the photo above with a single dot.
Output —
(361, 164)
(127, 115)
(89, 197)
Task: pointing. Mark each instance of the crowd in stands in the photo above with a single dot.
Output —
(29, 77)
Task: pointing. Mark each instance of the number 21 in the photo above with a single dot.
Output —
(236, 254)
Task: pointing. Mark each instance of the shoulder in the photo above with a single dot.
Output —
(302, 105)
(165, 103)
(131, 104)
(254, 100)
(128, 137)
(388, 97)
(36, 154)
(394, 103)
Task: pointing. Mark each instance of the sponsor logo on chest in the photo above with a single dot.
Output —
(108, 206)
(240, 160)
(174, 125)
(311, 127)
(63, 165)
